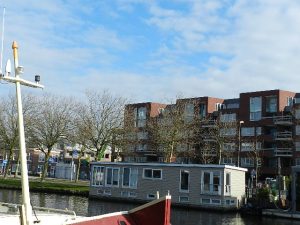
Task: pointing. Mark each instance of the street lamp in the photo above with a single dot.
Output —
(239, 150)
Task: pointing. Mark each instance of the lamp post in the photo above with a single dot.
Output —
(26, 207)
(239, 150)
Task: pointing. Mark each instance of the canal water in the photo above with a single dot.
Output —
(180, 216)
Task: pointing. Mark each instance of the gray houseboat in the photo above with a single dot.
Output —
(193, 185)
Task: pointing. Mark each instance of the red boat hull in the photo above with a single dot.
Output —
(157, 212)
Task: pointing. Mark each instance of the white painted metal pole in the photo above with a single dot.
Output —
(24, 177)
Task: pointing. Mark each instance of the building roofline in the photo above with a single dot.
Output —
(173, 165)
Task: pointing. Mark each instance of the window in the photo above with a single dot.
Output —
(297, 161)
(202, 110)
(247, 146)
(210, 182)
(247, 131)
(227, 131)
(98, 176)
(152, 174)
(219, 106)
(248, 162)
(184, 180)
(140, 159)
(233, 106)
(140, 116)
(112, 176)
(230, 117)
(290, 101)
(130, 177)
(227, 183)
(189, 112)
(255, 108)
(40, 168)
(298, 130)
(297, 146)
(258, 131)
(151, 196)
(41, 157)
(229, 161)
(183, 199)
(297, 113)
(271, 104)
(229, 146)
(142, 147)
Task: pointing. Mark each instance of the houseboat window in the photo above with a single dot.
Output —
(227, 183)
(183, 198)
(152, 174)
(112, 176)
(216, 181)
(184, 180)
(206, 181)
(98, 176)
(130, 177)
(211, 182)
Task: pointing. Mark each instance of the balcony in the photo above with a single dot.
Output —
(283, 152)
(209, 123)
(283, 120)
(284, 136)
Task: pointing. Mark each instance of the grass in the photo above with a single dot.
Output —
(50, 186)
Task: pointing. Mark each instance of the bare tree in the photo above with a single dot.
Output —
(98, 118)
(51, 122)
(9, 134)
(168, 130)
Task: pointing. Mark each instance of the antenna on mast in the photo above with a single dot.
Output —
(2, 41)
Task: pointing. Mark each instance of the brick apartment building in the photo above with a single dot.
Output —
(259, 131)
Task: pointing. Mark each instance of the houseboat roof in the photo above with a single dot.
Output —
(217, 166)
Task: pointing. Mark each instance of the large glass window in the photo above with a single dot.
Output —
(130, 177)
(271, 104)
(230, 117)
(202, 110)
(255, 108)
(184, 180)
(112, 176)
(211, 182)
(189, 112)
(140, 116)
(247, 131)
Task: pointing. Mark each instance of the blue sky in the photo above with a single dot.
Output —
(156, 50)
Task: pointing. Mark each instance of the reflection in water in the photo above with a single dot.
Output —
(180, 216)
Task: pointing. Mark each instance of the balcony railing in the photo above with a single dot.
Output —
(286, 135)
(283, 152)
(283, 120)
(211, 189)
(209, 123)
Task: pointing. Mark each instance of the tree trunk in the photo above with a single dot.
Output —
(78, 169)
(8, 165)
(45, 169)
(17, 168)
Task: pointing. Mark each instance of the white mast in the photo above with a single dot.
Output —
(26, 207)
(2, 40)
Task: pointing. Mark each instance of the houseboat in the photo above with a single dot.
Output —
(193, 185)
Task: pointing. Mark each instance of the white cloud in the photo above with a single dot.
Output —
(204, 47)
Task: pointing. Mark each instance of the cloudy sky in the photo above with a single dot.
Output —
(151, 50)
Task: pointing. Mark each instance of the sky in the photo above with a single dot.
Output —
(151, 50)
